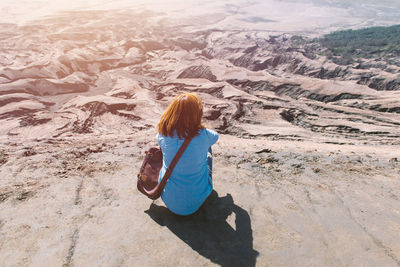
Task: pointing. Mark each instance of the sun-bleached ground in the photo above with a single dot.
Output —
(74, 202)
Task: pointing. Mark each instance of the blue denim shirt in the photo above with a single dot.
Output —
(189, 184)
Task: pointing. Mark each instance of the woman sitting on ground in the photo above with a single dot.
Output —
(190, 182)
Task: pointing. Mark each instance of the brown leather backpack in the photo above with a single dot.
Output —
(147, 182)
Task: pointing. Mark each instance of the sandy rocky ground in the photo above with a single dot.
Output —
(306, 170)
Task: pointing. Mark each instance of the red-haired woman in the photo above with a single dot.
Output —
(190, 182)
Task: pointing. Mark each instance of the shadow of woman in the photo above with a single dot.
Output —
(207, 231)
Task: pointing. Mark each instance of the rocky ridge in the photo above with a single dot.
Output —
(273, 76)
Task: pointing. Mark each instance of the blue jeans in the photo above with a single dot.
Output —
(209, 162)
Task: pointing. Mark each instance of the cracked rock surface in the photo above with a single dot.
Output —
(74, 203)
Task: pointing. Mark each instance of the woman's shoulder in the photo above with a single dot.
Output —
(202, 132)
(211, 135)
(207, 131)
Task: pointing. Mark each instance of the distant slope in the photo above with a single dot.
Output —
(363, 43)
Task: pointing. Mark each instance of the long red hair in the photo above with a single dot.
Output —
(182, 116)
